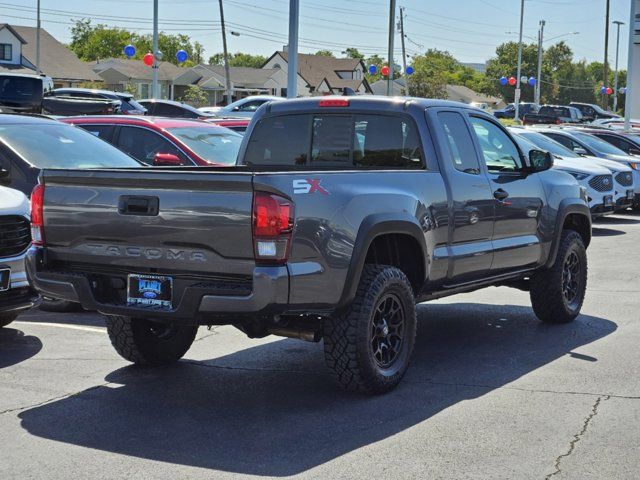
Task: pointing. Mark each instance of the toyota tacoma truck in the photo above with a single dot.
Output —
(341, 215)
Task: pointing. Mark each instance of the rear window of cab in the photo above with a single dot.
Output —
(336, 141)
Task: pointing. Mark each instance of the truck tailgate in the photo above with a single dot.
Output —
(150, 220)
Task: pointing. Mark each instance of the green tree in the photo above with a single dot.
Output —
(239, 59)
(505, 64)
(378, 62)
(325, 53)
(430, 75)
(131, 88)
(195, 95)
(353, 53)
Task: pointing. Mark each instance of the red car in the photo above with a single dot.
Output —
(236, 124)
(165, 141)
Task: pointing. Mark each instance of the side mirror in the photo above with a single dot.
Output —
(634, 151)
(580, 150)
(235, 109)
(540, 160)
(166, 160)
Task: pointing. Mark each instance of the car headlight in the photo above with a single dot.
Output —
(578, 175)
(635, 166)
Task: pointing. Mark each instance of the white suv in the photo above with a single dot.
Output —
(15, 238)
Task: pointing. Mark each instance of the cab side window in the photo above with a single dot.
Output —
(460, 142)
(500, 152)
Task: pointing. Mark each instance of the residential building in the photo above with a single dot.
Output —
(18, 55)
(118, 73)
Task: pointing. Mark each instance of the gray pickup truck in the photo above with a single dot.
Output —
(342, 214)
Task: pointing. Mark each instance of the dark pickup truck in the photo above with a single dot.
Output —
(557, 114)
(342, 214)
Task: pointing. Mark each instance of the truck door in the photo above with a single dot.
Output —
(471, 203)
(518, 198)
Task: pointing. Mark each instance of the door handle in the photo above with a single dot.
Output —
(139, 205)
(500, 195)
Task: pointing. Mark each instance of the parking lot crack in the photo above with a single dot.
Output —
(576, 438)
(50, 400)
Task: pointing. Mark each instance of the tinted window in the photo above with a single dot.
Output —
(20, 89)
(280, 140)
(555, 111)
(499, 152)
(624, 145)
(163, 109)
(598, 144)
(463, 153)
(104, 132)
(250, 106)
(564, 140)
(215, 144)
(62, 146)
(332, 137)
(143, 145)
(129, 104)
(386, 141)
(548, 144)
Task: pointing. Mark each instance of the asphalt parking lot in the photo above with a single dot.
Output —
(491, 393)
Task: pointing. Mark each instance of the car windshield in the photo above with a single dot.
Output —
(215, 144)
(525, 145)
(62, 146)
(598, 144)
(548, 144)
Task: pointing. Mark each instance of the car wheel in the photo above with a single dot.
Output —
(557, 293)
(368, 347)
(57, 305)
(146, 342)
(7, 318)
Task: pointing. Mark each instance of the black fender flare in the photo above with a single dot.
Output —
(568, 206)
(372, 227)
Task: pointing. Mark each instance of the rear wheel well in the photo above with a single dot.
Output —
(402, 251)
(578, 223)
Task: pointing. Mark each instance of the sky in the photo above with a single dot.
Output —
(468, 29)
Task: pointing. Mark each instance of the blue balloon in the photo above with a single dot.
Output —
(181, 56)
(603, 90)
(130, 51)
(409, 70)
(532, 81)
(373, 69)
(503, 81)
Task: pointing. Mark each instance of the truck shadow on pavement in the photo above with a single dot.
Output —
(16, 347)
(271, 409)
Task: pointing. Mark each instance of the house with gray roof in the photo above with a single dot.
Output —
(18, 55)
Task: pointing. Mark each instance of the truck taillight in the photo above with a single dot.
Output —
(273, 218)
(37, 215)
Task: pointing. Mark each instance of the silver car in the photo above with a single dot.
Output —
(243, 108)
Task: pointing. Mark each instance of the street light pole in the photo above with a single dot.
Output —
(404, 50)
(38, 41)
(539, 75)
(605, 73)
(392, 25)
(631, 66)
(154, 81)
(615, 78)
(292, 68)
(516, 100)
(227, 74)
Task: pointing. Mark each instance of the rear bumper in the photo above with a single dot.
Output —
(20, 295)
(197, 303)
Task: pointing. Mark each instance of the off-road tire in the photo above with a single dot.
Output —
(348, 340)
(547, 298)
(59, 306)
(144, 342)
(7, 318)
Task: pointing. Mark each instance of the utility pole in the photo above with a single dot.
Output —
(292, 69)
(392, 25)
(516, 100)
(227, 74)
(404, 51)
(38, 71)
(605, 73)
(539, 75)
(154, 82)
(632, 64)
(615, 78)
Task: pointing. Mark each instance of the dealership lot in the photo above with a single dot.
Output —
(492, 393)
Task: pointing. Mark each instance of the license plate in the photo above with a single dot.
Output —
(608, 201)
(150, 290)
(5, 279)
(630, 194)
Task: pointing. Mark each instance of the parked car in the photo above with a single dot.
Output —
(616, 123)
(629, 143)
(318, 234)
(597, 180)
(165, 141)
(23, 93)
(556, 114)
(16, 295)
(29, 143)
(627, 185)
(125, 103)
(244, 108)
(170, 108)
(65, 106)
(238, 125)
(510, 110)
(591, 111)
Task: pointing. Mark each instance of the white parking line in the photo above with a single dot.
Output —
(63, 325)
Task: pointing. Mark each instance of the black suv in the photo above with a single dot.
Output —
(128, 106)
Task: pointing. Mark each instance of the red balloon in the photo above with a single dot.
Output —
(609, 90)
(512, 81)
(148, 59)
(385, 70)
